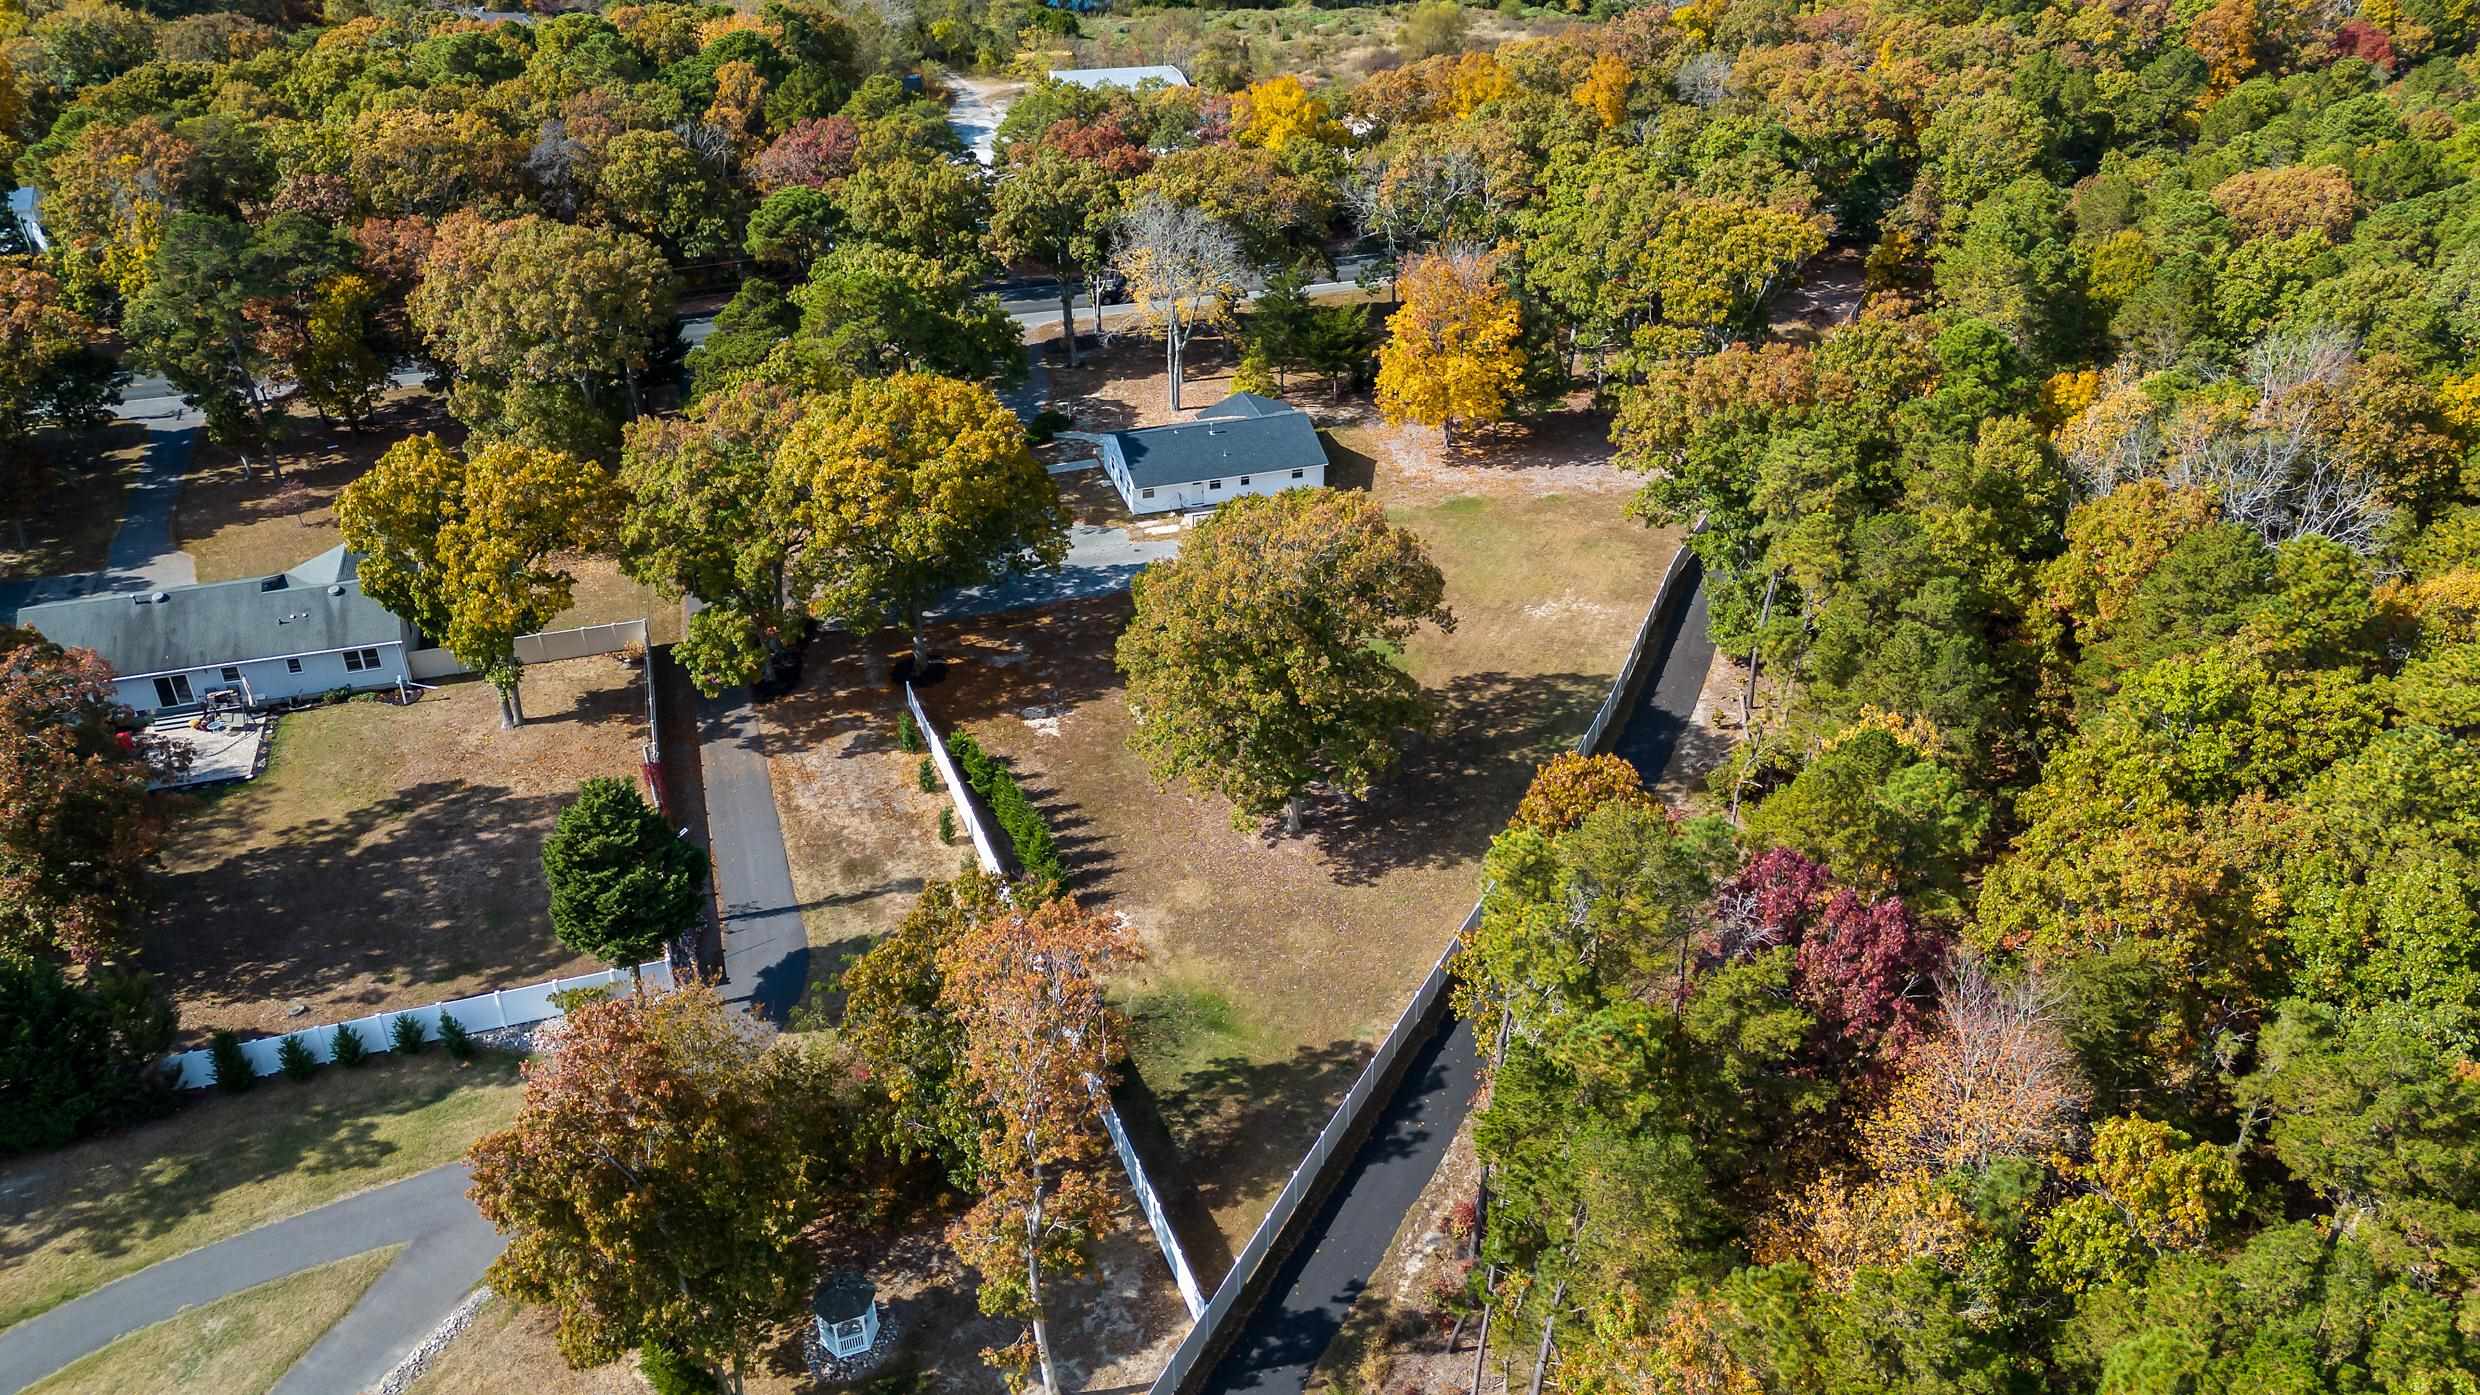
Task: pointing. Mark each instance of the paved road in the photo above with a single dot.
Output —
(1306, 1302)
(765, 948)
(447, 1247)
(1650, 735)
(1099, 562)
(1310, 1294)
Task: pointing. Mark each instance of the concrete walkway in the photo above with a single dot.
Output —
(447, 1247)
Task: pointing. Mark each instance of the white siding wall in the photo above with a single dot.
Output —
(272, 680)
(1201, 494)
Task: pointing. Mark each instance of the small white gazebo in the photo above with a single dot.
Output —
(846, 1315)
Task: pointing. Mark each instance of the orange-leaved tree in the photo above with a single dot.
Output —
(1039, 1044)
(660, 1176)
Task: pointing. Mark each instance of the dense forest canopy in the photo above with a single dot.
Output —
(2075, 982)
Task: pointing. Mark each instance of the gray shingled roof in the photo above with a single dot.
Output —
(1246, 404)
(319, 607)
(1218, 448)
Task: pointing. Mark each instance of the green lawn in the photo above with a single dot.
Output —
(238, 1345)
(74, 1220)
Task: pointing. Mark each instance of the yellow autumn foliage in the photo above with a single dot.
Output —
(1451, 354)
(1279, 111)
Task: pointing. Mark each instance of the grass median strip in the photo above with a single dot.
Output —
(241, 1344)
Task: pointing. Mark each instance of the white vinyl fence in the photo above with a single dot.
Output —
(986, 852)
(484, 1012)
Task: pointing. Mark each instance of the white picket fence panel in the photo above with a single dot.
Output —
(484, 1012)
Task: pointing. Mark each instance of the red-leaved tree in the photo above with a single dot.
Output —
(76, 836)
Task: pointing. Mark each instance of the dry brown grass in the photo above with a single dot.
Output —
(234, 524)
(1276, 961)
(507, 1339)
(238, 1345)
(73, 504)
(861, 833)
(76, 1219)
(389, 857)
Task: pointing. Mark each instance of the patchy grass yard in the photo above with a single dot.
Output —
(1276, 961)
(74, 505)
(235, 524)
(861, 832)
(76, 1219)
(239, 1345)
(1112, 1326)
(389, 856)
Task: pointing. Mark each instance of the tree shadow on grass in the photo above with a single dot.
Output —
(1059, 656)
(1242, 1125)
(438, 882)
(123, 1190)
(1456, 786)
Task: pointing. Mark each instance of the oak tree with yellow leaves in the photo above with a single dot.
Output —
(464, 545)
(905, 488)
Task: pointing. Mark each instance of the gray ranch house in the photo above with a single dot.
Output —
(1244, 444)
(263, 640)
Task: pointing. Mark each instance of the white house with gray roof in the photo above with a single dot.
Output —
(266, 639)
(1244, 444)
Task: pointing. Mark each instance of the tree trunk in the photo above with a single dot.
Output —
(1033, 1295)
(1291, 815)
(1067, 316)
(1549, 1324)
(511, 708)
(1093, 289)
(921, 646)
(1171, 351)
(1481, 1344)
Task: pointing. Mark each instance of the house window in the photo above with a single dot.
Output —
(231, 674)
(292, 665)
(355, 660)
(1145, 494)
(1214, 484)
(1298, 474)
(1244, 481)
(173, 691)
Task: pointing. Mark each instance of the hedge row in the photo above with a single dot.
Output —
(1037, 854)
